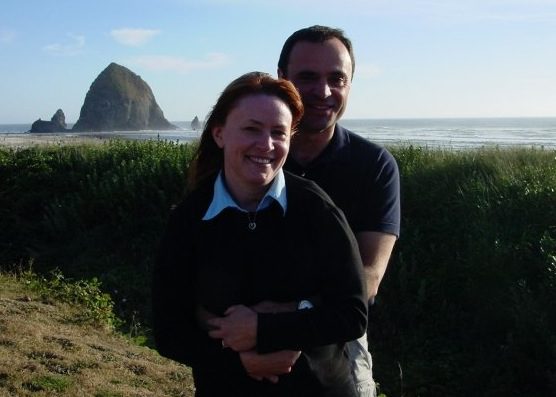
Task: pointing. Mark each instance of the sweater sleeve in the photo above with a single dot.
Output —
(342, 312)
(174, 325)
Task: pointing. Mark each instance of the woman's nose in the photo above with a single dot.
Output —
(265, 141)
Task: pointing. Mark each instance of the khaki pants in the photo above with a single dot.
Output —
(361, 366)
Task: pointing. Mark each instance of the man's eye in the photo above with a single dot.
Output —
(306, 77)
(337, 81)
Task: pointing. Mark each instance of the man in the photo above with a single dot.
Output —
(361, 177)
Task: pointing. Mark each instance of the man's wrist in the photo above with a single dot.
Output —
(304, 304)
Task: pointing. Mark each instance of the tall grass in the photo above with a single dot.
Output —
(91, 211)
(466, 304)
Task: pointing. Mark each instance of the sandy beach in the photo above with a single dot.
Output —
(17, 141)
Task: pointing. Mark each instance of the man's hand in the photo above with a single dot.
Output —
(268, 366)
(237, 329)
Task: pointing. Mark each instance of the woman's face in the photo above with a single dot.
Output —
(255, 139)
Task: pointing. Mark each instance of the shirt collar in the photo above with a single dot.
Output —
(222, 198)
(338, 144)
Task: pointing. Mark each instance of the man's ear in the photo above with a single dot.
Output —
(217, 136)
(280, 73)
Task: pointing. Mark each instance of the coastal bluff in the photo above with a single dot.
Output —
(119, 100)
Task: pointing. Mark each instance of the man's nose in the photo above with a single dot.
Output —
(322, 88)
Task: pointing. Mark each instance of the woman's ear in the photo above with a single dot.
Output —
(217, 136)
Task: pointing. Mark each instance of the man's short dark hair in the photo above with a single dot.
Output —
(313, 34)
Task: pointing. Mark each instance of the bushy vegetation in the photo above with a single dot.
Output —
(467, 304)
(91, 211)
(465, 307)
(97, 306)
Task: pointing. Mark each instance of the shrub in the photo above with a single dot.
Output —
(97, 305)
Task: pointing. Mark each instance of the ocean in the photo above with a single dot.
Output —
(445, 133)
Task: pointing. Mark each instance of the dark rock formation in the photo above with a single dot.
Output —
(195, 124)
(119, 100)
(56, 124)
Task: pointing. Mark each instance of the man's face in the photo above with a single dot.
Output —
(322, 74)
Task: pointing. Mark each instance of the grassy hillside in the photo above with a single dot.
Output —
(466, 304)
(48, 348)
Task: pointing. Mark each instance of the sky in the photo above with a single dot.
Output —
(414, 58)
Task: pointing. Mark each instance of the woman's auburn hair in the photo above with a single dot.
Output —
(209, 158)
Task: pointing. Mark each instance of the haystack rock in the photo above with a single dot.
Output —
(56, 124)
(119, 100)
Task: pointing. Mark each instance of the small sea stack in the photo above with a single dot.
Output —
(56, 124)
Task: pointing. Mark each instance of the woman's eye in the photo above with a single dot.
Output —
(280, 134)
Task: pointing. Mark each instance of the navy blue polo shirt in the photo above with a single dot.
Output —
(361, 177)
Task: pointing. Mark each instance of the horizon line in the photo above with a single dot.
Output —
(371, 118)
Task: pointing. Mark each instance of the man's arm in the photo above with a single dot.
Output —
(375, 249)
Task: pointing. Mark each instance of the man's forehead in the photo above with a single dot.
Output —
(330, 56)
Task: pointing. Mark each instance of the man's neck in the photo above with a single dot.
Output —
(307, 146)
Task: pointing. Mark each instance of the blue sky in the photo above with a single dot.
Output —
(414, 58)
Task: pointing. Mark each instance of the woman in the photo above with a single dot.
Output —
(248, 233)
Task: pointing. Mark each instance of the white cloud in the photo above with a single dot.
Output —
(182, 65)
(133, 37)
(6, 36)
(72, 47)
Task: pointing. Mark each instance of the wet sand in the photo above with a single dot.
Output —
(17, 141)
(24, 140)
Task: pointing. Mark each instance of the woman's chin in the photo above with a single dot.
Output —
(261, 180)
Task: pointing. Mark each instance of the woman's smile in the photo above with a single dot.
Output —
(255, 139)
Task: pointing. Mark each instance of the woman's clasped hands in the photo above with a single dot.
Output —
(238, 331)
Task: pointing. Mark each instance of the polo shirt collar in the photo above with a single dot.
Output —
(338, 144)
(222, 198)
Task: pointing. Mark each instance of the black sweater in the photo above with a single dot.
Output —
(309, 252)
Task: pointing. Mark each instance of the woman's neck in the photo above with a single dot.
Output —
(247, 197)
(249, 203)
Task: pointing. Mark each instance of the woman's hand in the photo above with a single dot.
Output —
(268, 366)
(237, 329)
(274, 307)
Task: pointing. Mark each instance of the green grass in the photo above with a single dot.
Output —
(92, 211)
(464, 308)
(56, 384)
